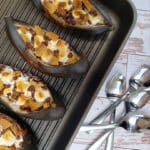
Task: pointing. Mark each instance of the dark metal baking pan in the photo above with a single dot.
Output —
(77, 95)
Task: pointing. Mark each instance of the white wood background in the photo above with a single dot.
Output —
(135, 53)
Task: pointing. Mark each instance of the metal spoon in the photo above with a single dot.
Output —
(140, 78)
(132, 123)
(136, 99)
(115, 89)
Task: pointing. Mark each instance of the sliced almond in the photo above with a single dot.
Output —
(34, 105)
(37, 41)
(7, 91)
(38, 52)
(8, 136)
(17, 73)
(51, 8)
(46, 55)
(1, 85)
(5, 124)
(62, 52)
(23, 29)
(16, 130)
(25, 38)
(46, 105)
(52, 35)
(5, 148)
(38, 30)
(73, 59)
(37, 84)
(77, 4)
(88, 5)
(22, 99)
(61, 44)
(54, 61)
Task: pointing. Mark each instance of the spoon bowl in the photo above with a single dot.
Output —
(138, 98)
(116, 87)
(141, 77)
(135, 123)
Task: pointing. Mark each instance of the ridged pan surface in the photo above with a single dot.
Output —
(100, 50)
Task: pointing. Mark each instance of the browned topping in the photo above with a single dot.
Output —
(38, 30)
(5, 123)
(16, 74)
(31, 106)
(60, 10)
(25, 93)
(31, 88)
(77, 4)
(9, 128)
(93, 12)
(15, 95)
(48, 47)
(52, 36)
(73, 13)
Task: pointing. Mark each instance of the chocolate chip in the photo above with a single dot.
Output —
(25, 108)
(45, 43)
(31, 88)
(56, 53)
(15, 95)
(93, 12)
(48, 99)
(70, 55)
(69, 18)
(46, 38)
(32, 31)
(35, 78)
(29, 46)
(82, 16)
(44, 86)
(2, 67)
(89, 22)
(60, 63)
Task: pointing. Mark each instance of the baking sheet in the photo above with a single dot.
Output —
(77, 95)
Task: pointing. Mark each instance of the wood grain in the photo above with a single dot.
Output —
(135, 53)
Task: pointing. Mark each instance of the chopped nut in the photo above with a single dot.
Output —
(38, 30)
(52, 35)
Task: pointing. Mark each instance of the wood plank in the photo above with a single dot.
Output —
(139, 41)
(142, 4)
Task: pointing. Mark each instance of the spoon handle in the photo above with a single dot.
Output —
(110, 139)
(105, 113)
(98, 143)
(86, 128)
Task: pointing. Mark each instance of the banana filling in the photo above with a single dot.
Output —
(11, 135)
(47, 47)
(74, 12)
(22, 92)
